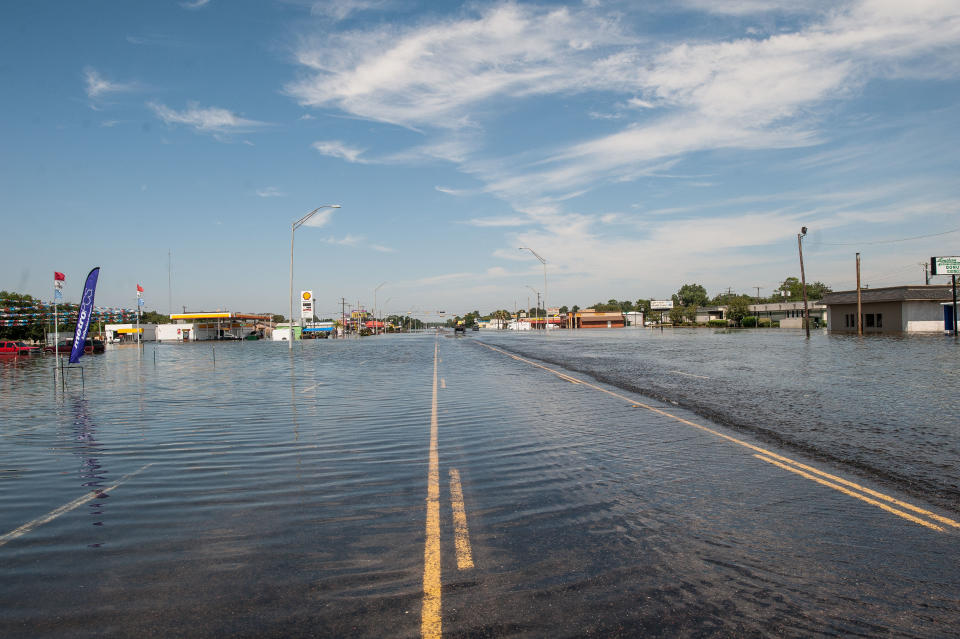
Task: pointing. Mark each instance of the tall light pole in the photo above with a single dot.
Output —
(803, 281)
(297, 224)
(544, 262)
(379, 286)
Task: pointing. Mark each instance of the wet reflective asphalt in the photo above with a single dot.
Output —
(222, 495)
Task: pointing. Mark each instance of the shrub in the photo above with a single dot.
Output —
(749, 322)
(716, 322)
(764, 321)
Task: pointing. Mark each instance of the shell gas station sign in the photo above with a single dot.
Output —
(306, 305)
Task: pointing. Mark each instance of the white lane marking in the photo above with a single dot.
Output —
(690, 374)
(53, 514)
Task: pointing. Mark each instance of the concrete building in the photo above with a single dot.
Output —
(121, 333)
(897, 309)
(590, 318)
(634, 318)
(790, 314)
(210, 326)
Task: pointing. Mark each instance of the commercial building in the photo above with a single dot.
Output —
(211, 326)
(591, 318)
(902, 309)
(121, 333)
(790, 314)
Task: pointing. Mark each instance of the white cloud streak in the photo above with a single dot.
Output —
(97, 86)
(337, 149)
(205, 119)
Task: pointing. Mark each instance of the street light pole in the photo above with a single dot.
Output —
(544, 263)
(538, 302)
(803, 281)
(297, 224)
(375, 306)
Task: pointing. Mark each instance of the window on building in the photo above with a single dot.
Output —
(869, 320)
(879, 320)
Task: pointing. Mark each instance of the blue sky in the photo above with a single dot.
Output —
(635, 146)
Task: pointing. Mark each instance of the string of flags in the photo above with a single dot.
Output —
(14, 312)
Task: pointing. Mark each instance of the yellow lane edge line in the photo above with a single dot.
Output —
(461, 532)
(740, 442)
(443, 383)
(76, 503)
(430, 622)
(846, 491)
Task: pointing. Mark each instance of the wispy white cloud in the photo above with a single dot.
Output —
(193, 5)
(271, 191)
(205, 119)
(97, 86)
(342, 9)
(449, 191)
(431, 75)
(358, 241)
(307, 116)
(337, 149)
(486, 222)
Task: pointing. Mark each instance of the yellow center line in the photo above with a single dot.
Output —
(461, 533)
(430, 623)
(845, 491)
(740, 442)
(56, 512)
(443, 383)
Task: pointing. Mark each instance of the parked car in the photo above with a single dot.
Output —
(16, 348)
(66, 346)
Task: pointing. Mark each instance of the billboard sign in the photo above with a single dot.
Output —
(945, 266)
(306, 305)
(661, 305)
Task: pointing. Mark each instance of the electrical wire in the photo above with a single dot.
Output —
(905, 239)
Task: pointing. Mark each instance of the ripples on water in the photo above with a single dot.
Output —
(258, 502)
(887, 405)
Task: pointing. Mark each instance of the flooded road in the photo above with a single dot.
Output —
(420, 486)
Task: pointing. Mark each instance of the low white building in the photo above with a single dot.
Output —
(902, 309)
(203, 326)
(128, 332)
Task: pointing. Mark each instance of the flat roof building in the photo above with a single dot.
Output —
(899, 309)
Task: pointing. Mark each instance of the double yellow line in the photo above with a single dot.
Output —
(431, 622)
(864, 494)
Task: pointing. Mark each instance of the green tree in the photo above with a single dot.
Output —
(153, 317)
(564, 310)
(691, 295)
(643, 305)
(738, 308)
(690, 313)
(676, 314)
(278, 318)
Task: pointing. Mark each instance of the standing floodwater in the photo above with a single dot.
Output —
(887, 405)
(236, 489)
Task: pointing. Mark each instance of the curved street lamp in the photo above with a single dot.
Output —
(297, 224)
(544, 262)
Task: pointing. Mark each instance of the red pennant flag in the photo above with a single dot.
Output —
(59, 277)
(139, 289)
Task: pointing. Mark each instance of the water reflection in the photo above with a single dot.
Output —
(89, 450)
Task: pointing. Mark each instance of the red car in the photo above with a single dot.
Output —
(16, 348)
(66, 345)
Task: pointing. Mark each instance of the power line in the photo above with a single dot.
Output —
(905, 239)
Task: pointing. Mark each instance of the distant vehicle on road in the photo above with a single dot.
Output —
(16, 348)
(66, 345)
(460, 328)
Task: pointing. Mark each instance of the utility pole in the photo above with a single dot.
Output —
(758, 293)
(859, 301)
(926, 273)
(803, 281)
